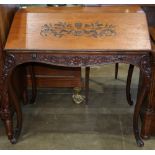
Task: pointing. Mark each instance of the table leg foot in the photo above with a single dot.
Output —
(136, 116)
(13, 140)
(139, 141)
(13, 135)
(16, 135)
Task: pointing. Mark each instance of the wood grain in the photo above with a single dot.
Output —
(63, 78)
(131, 32)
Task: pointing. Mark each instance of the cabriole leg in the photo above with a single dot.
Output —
(34, 85)
(128, 85)
(9, 106)
(136, 116)
(145, 88)
(87, 74)
(17, 110)
(6, 116)
(116, 70)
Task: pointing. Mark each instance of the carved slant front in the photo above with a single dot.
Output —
(63, 29)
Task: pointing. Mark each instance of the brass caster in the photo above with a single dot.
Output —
(77, 97)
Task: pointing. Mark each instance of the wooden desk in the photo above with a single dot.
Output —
(75, 40)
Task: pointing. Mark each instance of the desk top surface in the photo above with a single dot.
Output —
(78, 30)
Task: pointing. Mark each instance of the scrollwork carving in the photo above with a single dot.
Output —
(145, 65)
(95, 30)
(5, 114)
(87, 60)
(9, 63)
(4, 109)
(79, 60)
(70, 60)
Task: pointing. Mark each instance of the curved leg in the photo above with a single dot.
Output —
(145, 71)
(25, 86)
(9, 129)
(116, 70)
(9, 106)
(138, 105)
(128, 84)
(25, 97)
(18, 111)
(7, 116)
(34, 86)
(87, 73)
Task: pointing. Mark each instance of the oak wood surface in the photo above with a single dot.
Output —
(131, 32)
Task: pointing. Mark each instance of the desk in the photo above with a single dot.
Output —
(78, 39)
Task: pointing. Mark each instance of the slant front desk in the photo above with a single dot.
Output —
(77, 39)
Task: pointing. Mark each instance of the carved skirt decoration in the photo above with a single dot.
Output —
(13, 59)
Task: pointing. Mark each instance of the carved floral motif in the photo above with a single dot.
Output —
(142, 61)
(9, 63)
(94, 30)
(4, 108)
